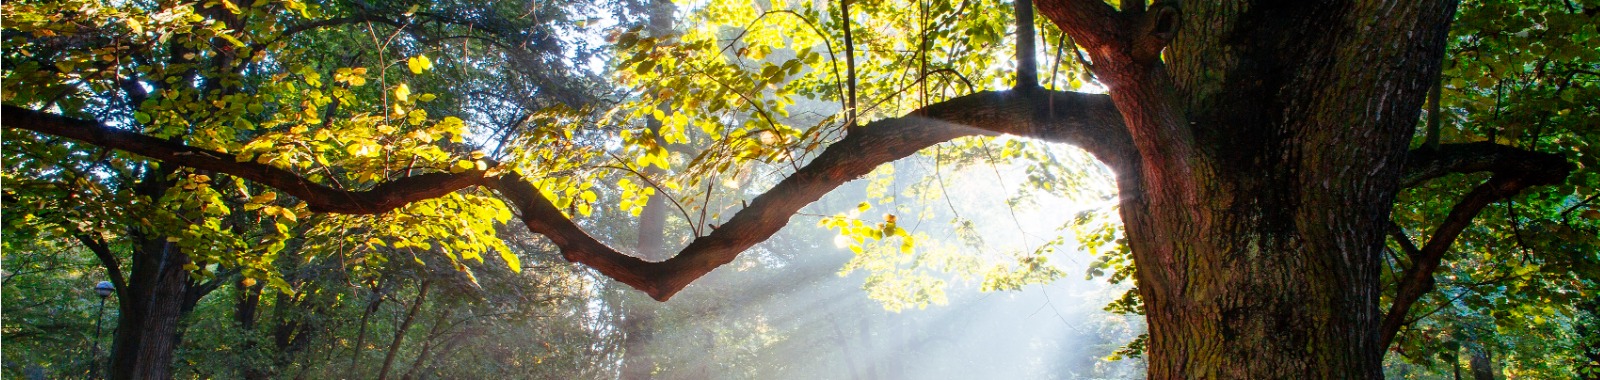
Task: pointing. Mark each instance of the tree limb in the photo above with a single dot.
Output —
(1425, 164)
(1089, 121)
(107, 259)
(1126, 49)
(1092, 125)
(1093, 23)
(1514, 170)
(320, 198)
(1404, 240)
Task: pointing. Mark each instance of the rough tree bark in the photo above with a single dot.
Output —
(1258, 146)
(1271, 138)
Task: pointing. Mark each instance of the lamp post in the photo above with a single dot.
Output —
(103, 289)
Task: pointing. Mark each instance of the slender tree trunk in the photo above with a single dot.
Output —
(377, 297)
(640, 314)
(639, 318)
(400, 333)
(843, 345)
(1455, 365)
(864, 334)
(245, 317)
(427, 346)
(638, 326)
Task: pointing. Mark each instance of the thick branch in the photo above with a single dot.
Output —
(1514, 170)
(1126, 48)
(1088, 121)
(318, 197)
(1131, 37)
(1426, 164)
(1092, 23)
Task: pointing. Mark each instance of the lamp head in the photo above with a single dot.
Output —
(104, 289)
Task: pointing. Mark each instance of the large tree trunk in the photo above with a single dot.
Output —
(157, 295)
(1270, 139)
(148, 326)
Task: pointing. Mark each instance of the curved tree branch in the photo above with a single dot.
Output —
(102, 251)
(319, 197)
(1514, 170)
(1086, 120)
(1091, 123)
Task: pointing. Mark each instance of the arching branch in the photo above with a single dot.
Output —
(1086, 120)
(1514, 170)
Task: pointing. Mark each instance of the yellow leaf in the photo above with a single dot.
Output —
(264, 197)
(511, 261)
(402, 92)
(418, 64)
